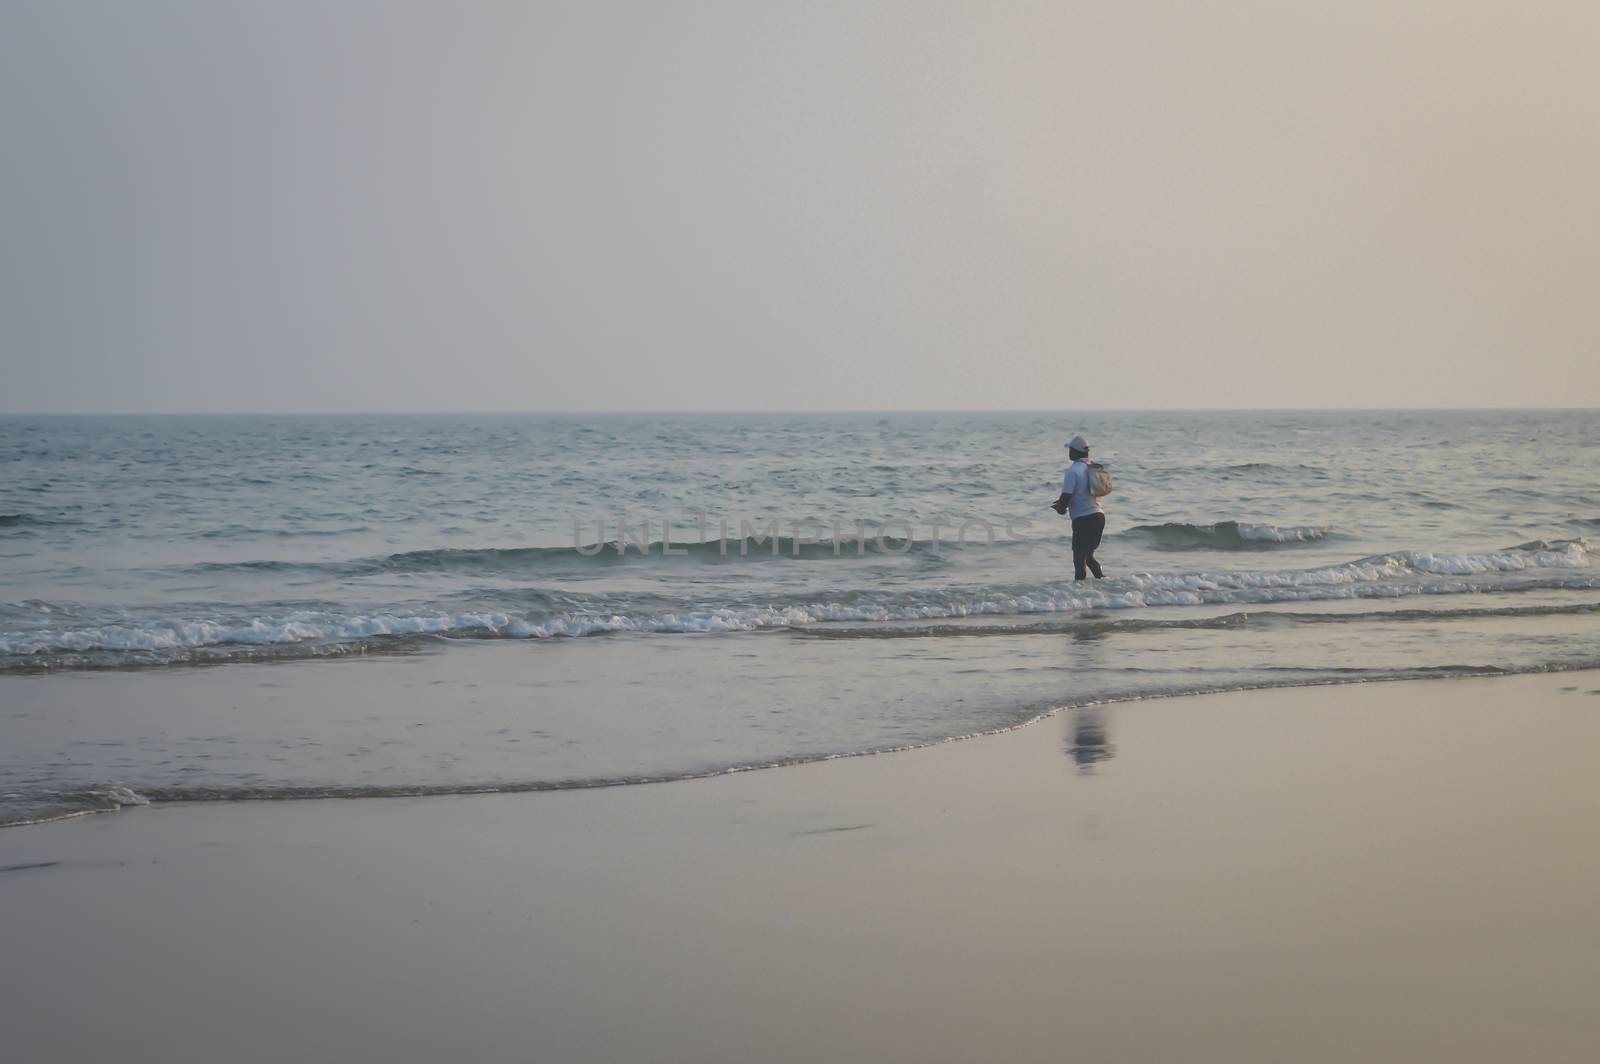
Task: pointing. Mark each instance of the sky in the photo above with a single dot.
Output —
(375, 206)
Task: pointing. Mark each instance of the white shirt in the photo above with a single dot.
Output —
(1075, 485)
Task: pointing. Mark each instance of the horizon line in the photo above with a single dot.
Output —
(803, 410)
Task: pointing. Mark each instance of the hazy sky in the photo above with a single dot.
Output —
(283, 205)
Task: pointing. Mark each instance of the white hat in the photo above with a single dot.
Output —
(1078, 443)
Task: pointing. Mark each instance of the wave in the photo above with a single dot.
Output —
(434, 560)
(531, 560)
(26, 520)
(1272, 467)
(1532, 566)
(1226, 535)
(20, 809)
(249, 532)
(612, 551)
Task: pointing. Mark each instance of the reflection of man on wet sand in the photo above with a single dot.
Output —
(1088, 739)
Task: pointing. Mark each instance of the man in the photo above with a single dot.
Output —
(1088, 516)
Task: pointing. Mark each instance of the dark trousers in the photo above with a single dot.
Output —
(1086, 533)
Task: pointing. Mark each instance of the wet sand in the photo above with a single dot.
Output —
(1386, 872)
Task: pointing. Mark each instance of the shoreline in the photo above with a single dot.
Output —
(130, 799)
(1396, 871)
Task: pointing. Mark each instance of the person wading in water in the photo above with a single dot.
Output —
(1088, 516)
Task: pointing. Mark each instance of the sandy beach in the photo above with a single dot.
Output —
(1401, 871)
(855, 533)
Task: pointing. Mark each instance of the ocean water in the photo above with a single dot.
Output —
(247, 607)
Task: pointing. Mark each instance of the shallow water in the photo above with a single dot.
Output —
(884, 580)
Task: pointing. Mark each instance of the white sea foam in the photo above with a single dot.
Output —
(1390, 575)
(1281, 534)
(119, 797)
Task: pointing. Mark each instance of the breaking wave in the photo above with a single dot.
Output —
(303, 633)
(1226, 535)
(17, 810)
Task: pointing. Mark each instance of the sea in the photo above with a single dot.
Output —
(216, 608)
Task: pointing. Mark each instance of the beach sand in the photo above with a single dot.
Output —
(1385, 872)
